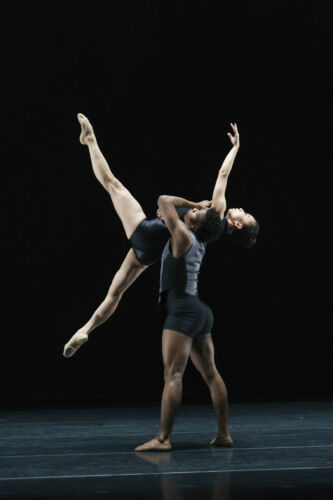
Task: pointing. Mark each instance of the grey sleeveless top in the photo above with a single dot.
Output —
(182, 273)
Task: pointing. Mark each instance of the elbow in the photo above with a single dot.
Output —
(224, 172)
(162, 199)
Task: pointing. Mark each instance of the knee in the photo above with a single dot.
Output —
(114, 185)
(114, 296)
(210, 374)
(172, 374)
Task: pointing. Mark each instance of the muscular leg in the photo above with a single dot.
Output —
(176, 348)
(202, 356)
(128, 272)
(126, 206)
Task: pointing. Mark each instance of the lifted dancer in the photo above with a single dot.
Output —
(147, 237)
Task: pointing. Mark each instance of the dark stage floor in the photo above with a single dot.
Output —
(281, 450)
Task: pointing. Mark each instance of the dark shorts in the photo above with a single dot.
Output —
(186, 314)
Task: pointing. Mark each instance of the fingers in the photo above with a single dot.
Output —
(234, 138)
(234, 127)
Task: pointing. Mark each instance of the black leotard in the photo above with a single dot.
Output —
(149, 238)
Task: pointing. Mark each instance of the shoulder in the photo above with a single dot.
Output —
(181, 240)
(220, 205)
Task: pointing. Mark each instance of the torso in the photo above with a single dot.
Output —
(182, 273)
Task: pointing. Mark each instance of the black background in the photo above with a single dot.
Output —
(161, 82)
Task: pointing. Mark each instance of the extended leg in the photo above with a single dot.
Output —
(202, 356)
(176, 348)
(129, 271)
(126, 206)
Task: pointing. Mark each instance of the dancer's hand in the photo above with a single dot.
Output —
(234, 138)
(205, 204)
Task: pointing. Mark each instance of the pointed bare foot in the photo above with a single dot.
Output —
(75, 342)
(222, 441)
(87, 132)
(154, 445)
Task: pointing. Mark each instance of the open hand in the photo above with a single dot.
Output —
(234, 138)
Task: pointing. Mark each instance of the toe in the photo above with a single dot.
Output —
(68, 351)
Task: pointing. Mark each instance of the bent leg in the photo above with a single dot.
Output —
(128, 272)
(176, 348)
(127, 207)
(202, 356)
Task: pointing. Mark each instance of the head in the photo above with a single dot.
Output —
(206, 223)
(243, 228)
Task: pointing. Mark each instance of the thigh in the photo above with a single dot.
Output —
(176, 349)
(127, 207)
(202, 355)
(128, 272)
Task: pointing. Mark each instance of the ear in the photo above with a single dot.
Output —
(238, 225)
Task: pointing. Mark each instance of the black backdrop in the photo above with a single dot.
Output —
(161, 82)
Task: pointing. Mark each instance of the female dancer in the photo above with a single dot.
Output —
(147, 237)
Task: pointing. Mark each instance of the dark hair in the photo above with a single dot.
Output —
(210, 227)
(246, 236)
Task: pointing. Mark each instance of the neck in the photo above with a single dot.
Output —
(230, 226)
(187, 220)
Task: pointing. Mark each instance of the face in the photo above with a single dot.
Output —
(238, 216)
(195, 216)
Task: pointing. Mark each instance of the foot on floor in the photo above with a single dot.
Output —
(222, 441)
(154, 445)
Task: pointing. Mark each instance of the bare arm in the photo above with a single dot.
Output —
(180, 235)
(181, 202)
(218, 200)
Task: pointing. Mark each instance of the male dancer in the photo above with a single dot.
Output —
(148, 237)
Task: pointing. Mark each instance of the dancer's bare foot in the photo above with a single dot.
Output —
(222, 441)
(74, 343)
(87, 132)
(154, 445)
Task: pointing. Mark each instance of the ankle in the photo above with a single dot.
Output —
(162, 438)
(223, 434)
(90, 139)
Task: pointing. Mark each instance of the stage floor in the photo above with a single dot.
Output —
(281, 450)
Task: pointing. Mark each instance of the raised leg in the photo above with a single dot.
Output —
(176, 348)
(202, 356)
(128, 272)
(127, 207)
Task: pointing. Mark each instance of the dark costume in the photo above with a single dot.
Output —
(185, 312)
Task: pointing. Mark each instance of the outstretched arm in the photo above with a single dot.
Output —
(180, 235)
(218, 200)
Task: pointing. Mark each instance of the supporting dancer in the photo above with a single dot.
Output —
(147, 237)
(188, 323)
